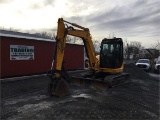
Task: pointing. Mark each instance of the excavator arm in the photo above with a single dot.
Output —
(58, 85)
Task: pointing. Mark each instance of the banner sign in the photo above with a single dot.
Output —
(21, 52)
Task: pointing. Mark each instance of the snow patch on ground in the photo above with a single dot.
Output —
(151, 114)
(142, 82)
(81, 95)
(155, 75)
(35, 107)
(22, 99)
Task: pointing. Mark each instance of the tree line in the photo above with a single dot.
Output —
(130, 47)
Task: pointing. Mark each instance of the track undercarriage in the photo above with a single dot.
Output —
(100, 81)
(60, 87)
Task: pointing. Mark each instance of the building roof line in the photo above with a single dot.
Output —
(26, 37)
(33, 38)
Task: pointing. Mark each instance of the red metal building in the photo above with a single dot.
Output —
(26, 55)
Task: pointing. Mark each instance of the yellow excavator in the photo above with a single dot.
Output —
(104, 70)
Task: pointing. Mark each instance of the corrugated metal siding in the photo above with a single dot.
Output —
(74, 56)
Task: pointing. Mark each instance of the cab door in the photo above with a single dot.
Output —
(111, 53)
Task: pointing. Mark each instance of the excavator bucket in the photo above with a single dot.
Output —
(61, 88)
(58, 88)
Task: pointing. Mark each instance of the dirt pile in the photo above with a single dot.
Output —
(135, 72)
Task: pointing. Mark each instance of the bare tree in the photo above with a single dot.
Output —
(126, 48)
(74, 40)
(132, 48)
(45, 35)
(10, 29)
(136, 44)
(2, 27)
(14, 29)
(96, 44)
(68, 39)
(78, 40)
(156, 45)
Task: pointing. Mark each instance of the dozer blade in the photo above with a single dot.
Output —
(58, 88)
(94, 83)
(101, 83)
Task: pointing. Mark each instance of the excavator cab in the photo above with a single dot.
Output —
(111, 53)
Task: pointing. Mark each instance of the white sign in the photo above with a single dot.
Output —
(21, 52)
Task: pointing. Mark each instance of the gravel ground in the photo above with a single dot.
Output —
(137, 98)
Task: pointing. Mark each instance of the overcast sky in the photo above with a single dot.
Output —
(134, 20)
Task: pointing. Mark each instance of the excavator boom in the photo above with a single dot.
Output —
(62, 32)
